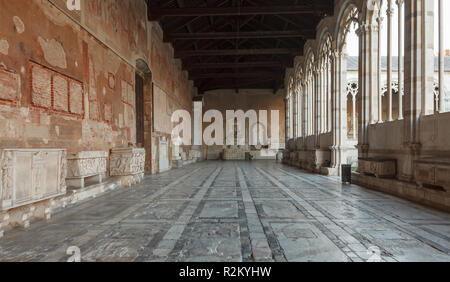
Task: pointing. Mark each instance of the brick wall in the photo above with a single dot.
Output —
(67, 79)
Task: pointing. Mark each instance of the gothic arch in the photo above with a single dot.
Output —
(349, 16)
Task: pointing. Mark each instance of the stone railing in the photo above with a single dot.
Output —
(31, 175)
(433, 172)
(129, 163)
(83, 165)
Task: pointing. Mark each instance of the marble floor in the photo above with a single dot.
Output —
(237, 211)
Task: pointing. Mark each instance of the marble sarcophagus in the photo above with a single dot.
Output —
(128, 163)
(84, 165)
(31, 175)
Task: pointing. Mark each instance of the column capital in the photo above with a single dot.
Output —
(335, 54)
(366, 28)
(399, 2)
(390, 12)
(364, 148)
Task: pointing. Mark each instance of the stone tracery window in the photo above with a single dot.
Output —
(298, 93)
(351, 48)
(310, 84)
(293, 94)
(349, 24)
(325, 84)
(385, 103)
(391, 43)
(352, 115)
(442, 52)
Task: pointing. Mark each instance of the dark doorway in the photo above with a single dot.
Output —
(140, 111)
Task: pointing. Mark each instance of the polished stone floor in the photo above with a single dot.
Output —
(237, 211)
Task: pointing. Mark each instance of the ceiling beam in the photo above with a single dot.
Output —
(155, 13)
(234, 85)
(238, 52)
(195, 76)
(268, 64)
(234, 35)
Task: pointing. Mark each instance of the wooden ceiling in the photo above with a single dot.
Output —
(232, 44)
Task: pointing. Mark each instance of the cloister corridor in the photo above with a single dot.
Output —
(237, 211)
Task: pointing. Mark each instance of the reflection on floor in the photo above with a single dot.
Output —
(238, 211)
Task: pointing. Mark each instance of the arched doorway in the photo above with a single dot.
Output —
(144, 110)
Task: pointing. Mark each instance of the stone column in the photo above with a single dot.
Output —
(428, 99)
(294, 116)
(400, 57)
(368, 92)
(304, 111)
(379, 82)
(291, 117)
(441, 58)
(322, 98)
(389, 13)
(330, 94)
(286, 126)
(317, 106)
(339, 109)
(418, 97)
(354, 116)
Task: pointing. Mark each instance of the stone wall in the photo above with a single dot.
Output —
(67, 79)
(246, 99)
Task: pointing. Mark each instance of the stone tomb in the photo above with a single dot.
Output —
(379, 167)
(85, 165)
(433, 172)
(31, 175)
(128, 163)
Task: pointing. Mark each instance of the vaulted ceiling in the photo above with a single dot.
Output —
(232, 44)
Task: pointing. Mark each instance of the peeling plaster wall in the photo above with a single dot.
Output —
(171, 91)
(67, 79)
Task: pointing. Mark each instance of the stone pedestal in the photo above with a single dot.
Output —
(31, 175)
(128, 163)
(321, 158)
(84, 165)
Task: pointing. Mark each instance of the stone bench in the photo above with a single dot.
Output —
(128, 163)
(433, 172)
(85, 165)
(31, 175)
(379, 167)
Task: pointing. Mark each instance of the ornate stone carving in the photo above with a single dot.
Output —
(128, 162)
(19, 186)
(379, 167)
(84, 165)
(433, 172)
